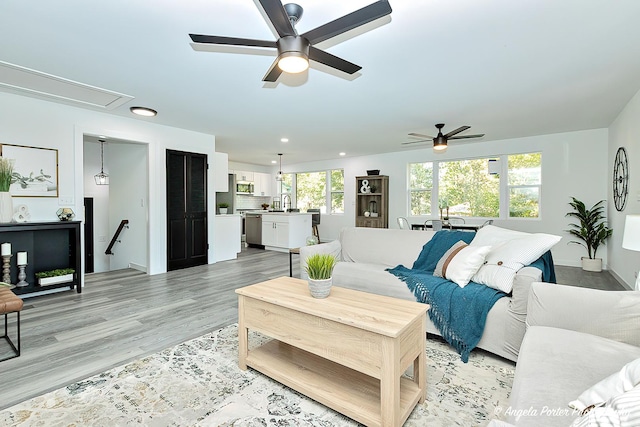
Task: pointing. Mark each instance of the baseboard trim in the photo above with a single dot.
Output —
(138, 267)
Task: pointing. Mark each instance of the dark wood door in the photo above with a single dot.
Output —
(88, 235)
(187, 243)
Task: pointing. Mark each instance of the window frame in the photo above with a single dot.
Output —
(328, 189)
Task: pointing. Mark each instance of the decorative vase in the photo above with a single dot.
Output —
(6, 207)
(320, 288)
(589, 264)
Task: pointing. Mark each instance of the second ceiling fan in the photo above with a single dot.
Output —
(295, 50)
(440, 141)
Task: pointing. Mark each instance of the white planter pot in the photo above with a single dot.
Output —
(223, 211)
(46, 281)
(320, 288)
(594, 264)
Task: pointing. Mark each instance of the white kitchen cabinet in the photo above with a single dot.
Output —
(284, 231)
(244, 176)
(228, 235)
(221, 172)
(262, 185)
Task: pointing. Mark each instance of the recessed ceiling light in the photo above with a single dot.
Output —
(274, 161)
(143, 111)
(284, 139)
(343, 153)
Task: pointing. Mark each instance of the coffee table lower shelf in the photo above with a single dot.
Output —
(345, 390)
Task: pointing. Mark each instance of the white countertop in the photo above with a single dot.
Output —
(286, 213)
(228, 215)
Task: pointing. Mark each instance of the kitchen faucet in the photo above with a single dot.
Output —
(284, 202)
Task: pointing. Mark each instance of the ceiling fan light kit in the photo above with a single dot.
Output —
(295, 50)
(440, 141)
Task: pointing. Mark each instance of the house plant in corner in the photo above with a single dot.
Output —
(222, 208)
(6, 203)
(592, 230)
(320, 268)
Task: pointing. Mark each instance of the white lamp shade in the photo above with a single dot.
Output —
(631, 238)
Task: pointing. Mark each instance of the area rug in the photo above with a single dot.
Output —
(198, 383)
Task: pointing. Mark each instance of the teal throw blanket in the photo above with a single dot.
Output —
(459, 313)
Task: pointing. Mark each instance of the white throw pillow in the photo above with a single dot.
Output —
(507, 258)
(490, 235)
(461, 262)
(622, 410)
(622, 381)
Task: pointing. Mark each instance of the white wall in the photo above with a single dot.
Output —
(27, 121)
(128, 199)
(625, 132)
(574, 164)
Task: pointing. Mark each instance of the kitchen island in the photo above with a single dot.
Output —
(282, 231)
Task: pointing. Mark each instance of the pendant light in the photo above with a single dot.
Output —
(280, 176)
(101, 178)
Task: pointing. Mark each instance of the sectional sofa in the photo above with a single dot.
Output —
(364, 254)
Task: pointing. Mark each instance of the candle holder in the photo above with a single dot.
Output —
(21, 276)
(6, 269)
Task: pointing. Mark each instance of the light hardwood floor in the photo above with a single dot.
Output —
(124, 315)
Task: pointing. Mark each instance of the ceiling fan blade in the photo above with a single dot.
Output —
(419, 135)
(348, 22)
(278, 17)
(332, 61)
(234, 41)
(273, 73)
(416, 142)
(467, 136)
(456, 131)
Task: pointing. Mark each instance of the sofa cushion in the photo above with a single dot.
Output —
(622, 381)
(622, 410)
(383, 246)
(371, 278)
(441, 242)
(556, 365)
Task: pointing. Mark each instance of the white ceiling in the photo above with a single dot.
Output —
(508, 68)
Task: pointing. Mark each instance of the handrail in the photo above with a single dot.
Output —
(122, 225)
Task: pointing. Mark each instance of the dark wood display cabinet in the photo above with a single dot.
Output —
(49, 246)
(372, 201)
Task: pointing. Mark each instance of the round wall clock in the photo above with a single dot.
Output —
(620, 179)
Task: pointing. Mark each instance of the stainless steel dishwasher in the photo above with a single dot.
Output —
(253, 225)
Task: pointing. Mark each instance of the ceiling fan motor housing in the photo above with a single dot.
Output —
(293, 44)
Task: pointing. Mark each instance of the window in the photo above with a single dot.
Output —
(420, 187)
(323, 190)
(337, 191)
(470, 190)
(524, 182)
(311, 190)
(467, 188)
(286, 189)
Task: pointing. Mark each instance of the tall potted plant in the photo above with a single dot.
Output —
(591, 229)
(6, 175)
(320, 269)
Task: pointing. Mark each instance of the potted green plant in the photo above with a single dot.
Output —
(319, 268)
(222, 208)
(6, 176)
(52, 277)
(591, 229)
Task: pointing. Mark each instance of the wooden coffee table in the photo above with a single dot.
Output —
(348, 351)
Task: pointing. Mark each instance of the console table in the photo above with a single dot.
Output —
(49, 246)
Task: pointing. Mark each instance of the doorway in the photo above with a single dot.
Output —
(187, 242)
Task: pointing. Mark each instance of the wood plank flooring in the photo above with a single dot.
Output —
(124, 315)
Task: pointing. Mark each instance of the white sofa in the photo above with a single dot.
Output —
(365, 253)
(575, 338)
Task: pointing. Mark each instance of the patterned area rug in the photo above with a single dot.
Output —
(198, 383)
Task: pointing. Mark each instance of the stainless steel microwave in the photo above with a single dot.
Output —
(244, 188)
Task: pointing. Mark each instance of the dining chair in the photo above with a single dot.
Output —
(403, 223)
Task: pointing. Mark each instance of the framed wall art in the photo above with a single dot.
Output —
(35, 172)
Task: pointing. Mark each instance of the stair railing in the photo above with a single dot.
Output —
(114, 239)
